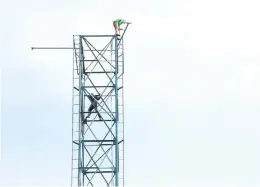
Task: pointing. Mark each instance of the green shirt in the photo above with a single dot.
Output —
(120, 21)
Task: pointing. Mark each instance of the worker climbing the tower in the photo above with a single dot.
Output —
(93, 106)
(117, 23)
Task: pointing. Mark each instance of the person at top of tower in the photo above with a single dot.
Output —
(117, 23)
(93, 99)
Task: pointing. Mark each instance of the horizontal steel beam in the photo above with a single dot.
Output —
(100, 120)
(97, 86)
(88, 172)
(97, 35)
(98, 140)
(99, 72)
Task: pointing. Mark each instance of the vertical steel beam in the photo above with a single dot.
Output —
(116, 109)
(81, 61)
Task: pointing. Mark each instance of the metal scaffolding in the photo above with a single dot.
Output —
(98, 144)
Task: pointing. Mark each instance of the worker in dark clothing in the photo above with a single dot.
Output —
(93, 99)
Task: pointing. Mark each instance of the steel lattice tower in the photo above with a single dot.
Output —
(98, 145)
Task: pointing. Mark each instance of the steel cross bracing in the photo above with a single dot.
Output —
(98, 145)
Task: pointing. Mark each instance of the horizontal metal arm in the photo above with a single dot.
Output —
(61, 48)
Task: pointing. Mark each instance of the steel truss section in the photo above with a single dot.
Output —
(98, 145)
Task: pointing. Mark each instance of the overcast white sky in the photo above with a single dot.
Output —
(192, 92)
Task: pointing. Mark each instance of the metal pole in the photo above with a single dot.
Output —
(80, 109)
(116, 110)
(60, 48)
